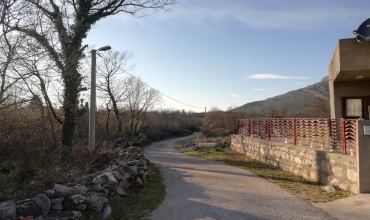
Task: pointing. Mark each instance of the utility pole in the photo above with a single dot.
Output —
(92, 110)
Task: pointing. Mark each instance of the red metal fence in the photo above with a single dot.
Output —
(323, 133)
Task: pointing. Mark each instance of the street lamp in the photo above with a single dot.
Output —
(92, 109)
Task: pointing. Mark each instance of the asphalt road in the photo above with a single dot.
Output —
(200, 189)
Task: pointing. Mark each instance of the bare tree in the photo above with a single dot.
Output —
(113, 88)
(218, 123)
(318, 107)
(274, 110)
(140, 101)
(59, 27)
(9, 55)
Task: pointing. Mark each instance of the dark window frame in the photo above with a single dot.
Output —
(344, 107)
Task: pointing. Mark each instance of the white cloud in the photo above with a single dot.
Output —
(259, 89)
(273, 76)
(235, 96)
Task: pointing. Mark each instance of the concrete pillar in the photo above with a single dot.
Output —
(363, 157)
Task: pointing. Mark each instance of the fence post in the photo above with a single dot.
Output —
(344, 142)
(295, 131)
(269, 128)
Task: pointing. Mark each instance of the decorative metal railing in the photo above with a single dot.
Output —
(323, 133)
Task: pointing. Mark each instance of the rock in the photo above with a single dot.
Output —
(132, 163)
(106, 178)
(121, 142)
(44, 203)
(134, 149)
(71, 215)
(56, 204)
(40, 217)
(8, 210)
(329, 189)
(54, 214)
(65, 191)
(75, 202)
(28, 207)
(143, 175)
(111, 167)
(126, 176)
(120, 171)
(99, 180)
(93, 175)
(124, 184)
(141, 162)
(83, 179)
(133, 170)
(122, 163)
(97, 202)
(117, 175)
(57, 207)
(95, 188)
(119, 191)
(50, 193)
(104, 193)
(139, 181)
(107, 211)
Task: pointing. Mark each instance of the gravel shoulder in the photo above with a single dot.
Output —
(200, 189)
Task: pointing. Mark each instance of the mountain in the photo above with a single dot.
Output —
(310, 101)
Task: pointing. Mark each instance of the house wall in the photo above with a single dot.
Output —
(348, 89)
(350, 59)
(329, 168)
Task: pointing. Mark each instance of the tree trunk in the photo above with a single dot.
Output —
(107, 120)
(70, 105)
(118, 118)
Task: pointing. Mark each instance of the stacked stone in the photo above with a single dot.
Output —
(88, 192)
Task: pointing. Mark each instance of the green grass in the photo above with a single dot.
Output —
(297, 185)
(140, 202)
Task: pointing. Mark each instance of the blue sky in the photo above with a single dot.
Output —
(209, 53)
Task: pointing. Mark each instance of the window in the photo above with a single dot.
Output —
(353, 108)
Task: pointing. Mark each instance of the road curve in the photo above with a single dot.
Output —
(200, 189)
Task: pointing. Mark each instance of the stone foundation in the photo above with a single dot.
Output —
(329, 168)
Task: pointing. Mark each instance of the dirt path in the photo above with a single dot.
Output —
(200, 189)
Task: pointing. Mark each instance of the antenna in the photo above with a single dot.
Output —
(363, 32)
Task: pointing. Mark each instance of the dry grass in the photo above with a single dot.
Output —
(22, 182)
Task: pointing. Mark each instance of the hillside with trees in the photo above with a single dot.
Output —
(309, 102)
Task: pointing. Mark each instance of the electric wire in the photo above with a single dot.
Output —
(192, 106)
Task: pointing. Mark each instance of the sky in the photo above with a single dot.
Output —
(217, 53)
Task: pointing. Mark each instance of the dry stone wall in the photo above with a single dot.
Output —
(330, 168)
(91, 191)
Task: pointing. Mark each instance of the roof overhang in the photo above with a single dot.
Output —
(351, 61)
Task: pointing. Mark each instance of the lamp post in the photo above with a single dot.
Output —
(92, 109)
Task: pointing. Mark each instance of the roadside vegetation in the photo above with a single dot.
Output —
(218, 149)
(139, 203)
(44, 92)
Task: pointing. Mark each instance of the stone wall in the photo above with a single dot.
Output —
(329, 168)
(88, 192)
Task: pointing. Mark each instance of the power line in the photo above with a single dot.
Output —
(165, 94)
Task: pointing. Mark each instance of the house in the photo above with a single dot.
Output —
(349, 80)
(349, 86)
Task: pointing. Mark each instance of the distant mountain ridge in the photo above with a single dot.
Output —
(300, 102)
